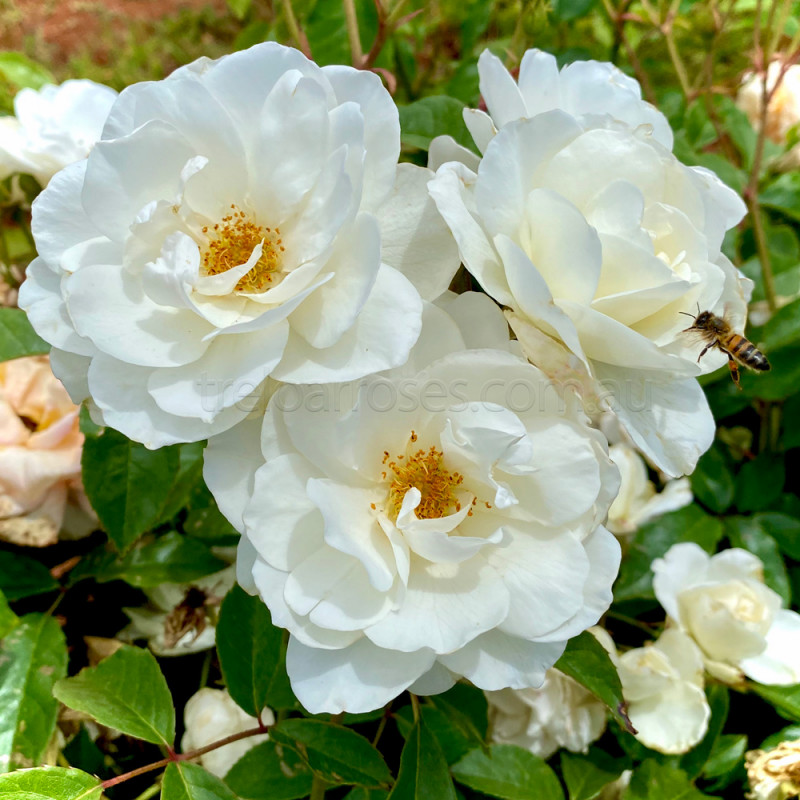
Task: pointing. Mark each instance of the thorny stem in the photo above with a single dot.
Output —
(415, 706)
(387, 712)
(751, 190)
(351, 19)
(295, 29)
(317, 788)
(618, 18)
(192, 754)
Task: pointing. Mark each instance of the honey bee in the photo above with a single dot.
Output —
(718, 332)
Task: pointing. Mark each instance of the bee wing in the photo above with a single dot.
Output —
(734, 317)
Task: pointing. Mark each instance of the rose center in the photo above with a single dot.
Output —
(231, 243)
(425, 471)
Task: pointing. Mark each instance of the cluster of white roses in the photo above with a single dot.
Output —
(241, 258)
(722, 620)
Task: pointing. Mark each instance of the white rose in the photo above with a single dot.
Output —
(561, 713)
(581, 88)
(638, 502)
(179, 618)
(40, 457)
(721, 601)
(435, 521)
(595, 237)
(211, 715)
(53, 127)
(231, 225)
(662, 684)
(783, 110)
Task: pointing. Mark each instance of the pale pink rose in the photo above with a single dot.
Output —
(40, 455)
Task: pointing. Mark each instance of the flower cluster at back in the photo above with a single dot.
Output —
(420, 478)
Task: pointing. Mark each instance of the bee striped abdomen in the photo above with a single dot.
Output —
(745, 352)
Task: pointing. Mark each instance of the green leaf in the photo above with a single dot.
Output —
(32, 658)
(8, 619)
(727, 755)
(785, 699)
(454, 743)
(693, 763)
(188, 476)
(586, 776)
(205, 521)
(508, 772)
(125, 691)
(652, 780)
(785, 530)
(566, 10)
(712, 481)
(651, 541)
(783, 195)
(23, 73)
(239, 7)
(760, 482)
(786, 734)
(747, 533)
(50, 783)
(423, 771)
(17, 336)
(270, 772)
(171, 558)
(586, 661)
(778, 384)
(252, 654)
(430, 117)
(783, 327)
(185, 781)
(336, 754)
(127, 484)
(21, 576)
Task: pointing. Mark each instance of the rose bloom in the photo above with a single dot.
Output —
(783, 110)
(236, 221)
(721, 601)
(595, 237)
(211, 715)
(436, 521)
(179, 618)
(53, 127)
(662, 684)
(40, 457)
(774, 774)
(561, 713)
(638, 502)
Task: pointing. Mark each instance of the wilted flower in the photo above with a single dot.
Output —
(561, 713)
(53, 127)
(662, 684)
(637, 501)
(236, 221)
(40, 457)
(774, 774)
(435, 521)
(596, 237)
(211, 715)
(180, 618)
(721, 601)
(783, 109)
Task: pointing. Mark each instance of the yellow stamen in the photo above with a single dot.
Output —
(424, 471)
(231, 243)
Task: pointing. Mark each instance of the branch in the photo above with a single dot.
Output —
(192, 754)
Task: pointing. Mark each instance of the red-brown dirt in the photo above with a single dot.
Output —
(66, 28)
